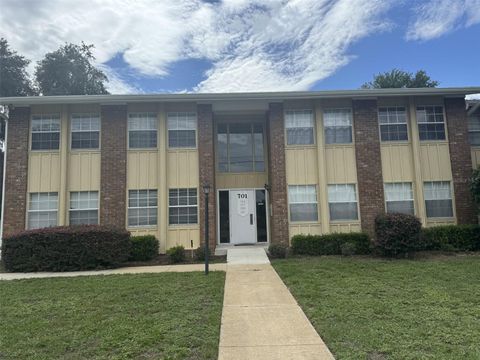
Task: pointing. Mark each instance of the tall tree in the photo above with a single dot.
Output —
(69, 71)
(400, 79)
(14, 79)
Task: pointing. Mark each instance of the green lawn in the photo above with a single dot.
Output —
(151, 316)
(401, 309)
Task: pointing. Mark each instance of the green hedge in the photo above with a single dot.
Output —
(330, 244)
(66, 248)
(144, 248)
(396, 234)
(451, 238)
(176, 254)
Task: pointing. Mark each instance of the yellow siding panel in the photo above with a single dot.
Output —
(435, 162)
(397, 163)
(44, 172)
(182, 169)
(84, 171)
(341, 166)
(302, 166)
(142, 170)
(475, 157)
(440, 222)
(311, 229)
(184, 237)
(345, 227)
(241, 181)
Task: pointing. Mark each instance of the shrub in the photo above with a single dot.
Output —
(199, 253)
(397, 234)
(176, 254)
(278, 251)
(451, 238)
(66, 248)
(348, 249)
(329, 244)
(143, 248)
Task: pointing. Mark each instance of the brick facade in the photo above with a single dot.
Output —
(113, 183)
(369, 164)
(206, 159)
(277, 175)
(460, 158)
(16, 171)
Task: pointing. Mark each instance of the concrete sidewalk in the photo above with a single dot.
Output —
(260, 318)
(124, 270)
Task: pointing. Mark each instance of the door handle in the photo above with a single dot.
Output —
(251, 219)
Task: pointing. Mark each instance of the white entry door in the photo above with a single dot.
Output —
(242, 217)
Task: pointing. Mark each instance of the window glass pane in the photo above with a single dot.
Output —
(42, 210)
(181, 138)
(45, 141)
(299, 125)
(343, 211)
(474, 130)
(341, 193)
(303, 212)
(222, 147)
(241, 148)
(437, 190)
(142, 130)
(181, 129)
(85, 140)
(303, 202)
(439, 208)
(142, 207)
(430, 123)
(342, 199)
(182, 206)
(338, 126)
(398, 191)
(258, 148)
(403, 207)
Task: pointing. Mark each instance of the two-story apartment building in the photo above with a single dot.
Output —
(278, 164)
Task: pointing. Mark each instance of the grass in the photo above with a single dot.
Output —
(151, 316)
(401, 309)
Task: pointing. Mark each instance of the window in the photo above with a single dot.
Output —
(240, 148)
(474, 130)
(399, 198)
(303, 202)
(142, 207)
(83, 207)
(45, 132)
(182, 129)
(182, 206)
(42, 210)
(299, 127)
(438, 199)
(342, 201)
(431, 125)
(338, 126)
(85, 131)
(393, 124)
(142, 130)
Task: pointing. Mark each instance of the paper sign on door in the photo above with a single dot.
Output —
(242, 204)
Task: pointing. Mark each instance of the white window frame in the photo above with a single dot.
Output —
(189, 117)
(403, 184)
(471, 119)
(294, 113)
(30, 211)
(427, 198)
(140, 116)
(394, 113)
(70, 211)
(148, 207)
(42, 117)
(188, 205)
(350, 118)
(343, 202)
(435, 114)
(307, 202)
(83, 117)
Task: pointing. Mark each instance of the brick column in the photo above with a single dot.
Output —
(206, 160)
(369, 163)
(460, 158)
(277, 175)
(16, 171)
(113, 183)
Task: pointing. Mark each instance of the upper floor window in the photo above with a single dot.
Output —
(399, 198)
(182, 129)
(142, 207)
(431, 123)
(474, 130)
(240, 147)
(303, 202)
(45, 132)
(83, 207)
(42, 210)
(342, 201)
(142, 130)
(338, 126)
(438, 199)
(393, 124)
(85, 131)
(299, 127)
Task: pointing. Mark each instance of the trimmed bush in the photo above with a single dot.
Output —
(329, 244)
(176, 254)
(397, 234)
(348, 249)
(66, 248)
(143, 248)
(199, 253)
(277, 251)
(451, 238)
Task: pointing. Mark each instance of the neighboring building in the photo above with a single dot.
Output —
(279, 164)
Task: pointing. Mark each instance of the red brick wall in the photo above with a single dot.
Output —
(16, 171)
(277, 175)
(460, 158)
(369, 164)
(113, 183)
(206, 158)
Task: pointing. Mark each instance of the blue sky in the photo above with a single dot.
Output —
(149, 46)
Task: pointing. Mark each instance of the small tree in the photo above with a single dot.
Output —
(400, 79)
(475, 186)
(69, 71)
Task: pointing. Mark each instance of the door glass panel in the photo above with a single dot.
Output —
(261, 208)
(241, 150)
(224, 217)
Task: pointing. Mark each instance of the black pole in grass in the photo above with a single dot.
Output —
(206, 191)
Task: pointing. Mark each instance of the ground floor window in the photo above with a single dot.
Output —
(303, 202)
(42, 210)
(142, 207)
(83, 207)
(342, 202)
(438, 199)
(399, 198)
(182, 206)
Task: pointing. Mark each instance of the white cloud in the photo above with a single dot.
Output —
(434, 18)
(116, 84)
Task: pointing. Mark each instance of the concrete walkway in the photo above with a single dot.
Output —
(260, 318)
(124, 270)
